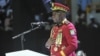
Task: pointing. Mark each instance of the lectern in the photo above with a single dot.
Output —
(25, 53)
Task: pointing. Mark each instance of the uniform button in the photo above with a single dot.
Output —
(55, 49)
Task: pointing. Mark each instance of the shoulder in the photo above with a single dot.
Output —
(69, 25)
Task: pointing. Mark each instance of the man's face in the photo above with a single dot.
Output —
(57, 16)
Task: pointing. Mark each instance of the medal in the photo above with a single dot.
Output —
(55, 49)
(59, 39)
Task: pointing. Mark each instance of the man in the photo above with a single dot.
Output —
(63, 38)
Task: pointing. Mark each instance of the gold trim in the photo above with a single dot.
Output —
(62, 53)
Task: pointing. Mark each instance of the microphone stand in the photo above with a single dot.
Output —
(22, 35)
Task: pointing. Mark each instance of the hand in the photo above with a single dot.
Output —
(49, 43)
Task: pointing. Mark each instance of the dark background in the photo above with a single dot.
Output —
(24, 12)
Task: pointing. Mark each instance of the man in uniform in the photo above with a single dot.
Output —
(63, 38)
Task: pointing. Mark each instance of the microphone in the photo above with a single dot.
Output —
(39, 23)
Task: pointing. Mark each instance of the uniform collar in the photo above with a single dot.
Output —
(65, 21)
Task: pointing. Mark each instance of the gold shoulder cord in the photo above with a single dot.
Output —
(51, 34)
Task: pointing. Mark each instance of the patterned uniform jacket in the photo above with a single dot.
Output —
(65, 40)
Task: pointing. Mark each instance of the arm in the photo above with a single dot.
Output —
(71, 37)
(49, 42)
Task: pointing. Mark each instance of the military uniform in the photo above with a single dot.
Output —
(65, 40)
(63, 37)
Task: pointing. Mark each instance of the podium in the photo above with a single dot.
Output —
(25, 53)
